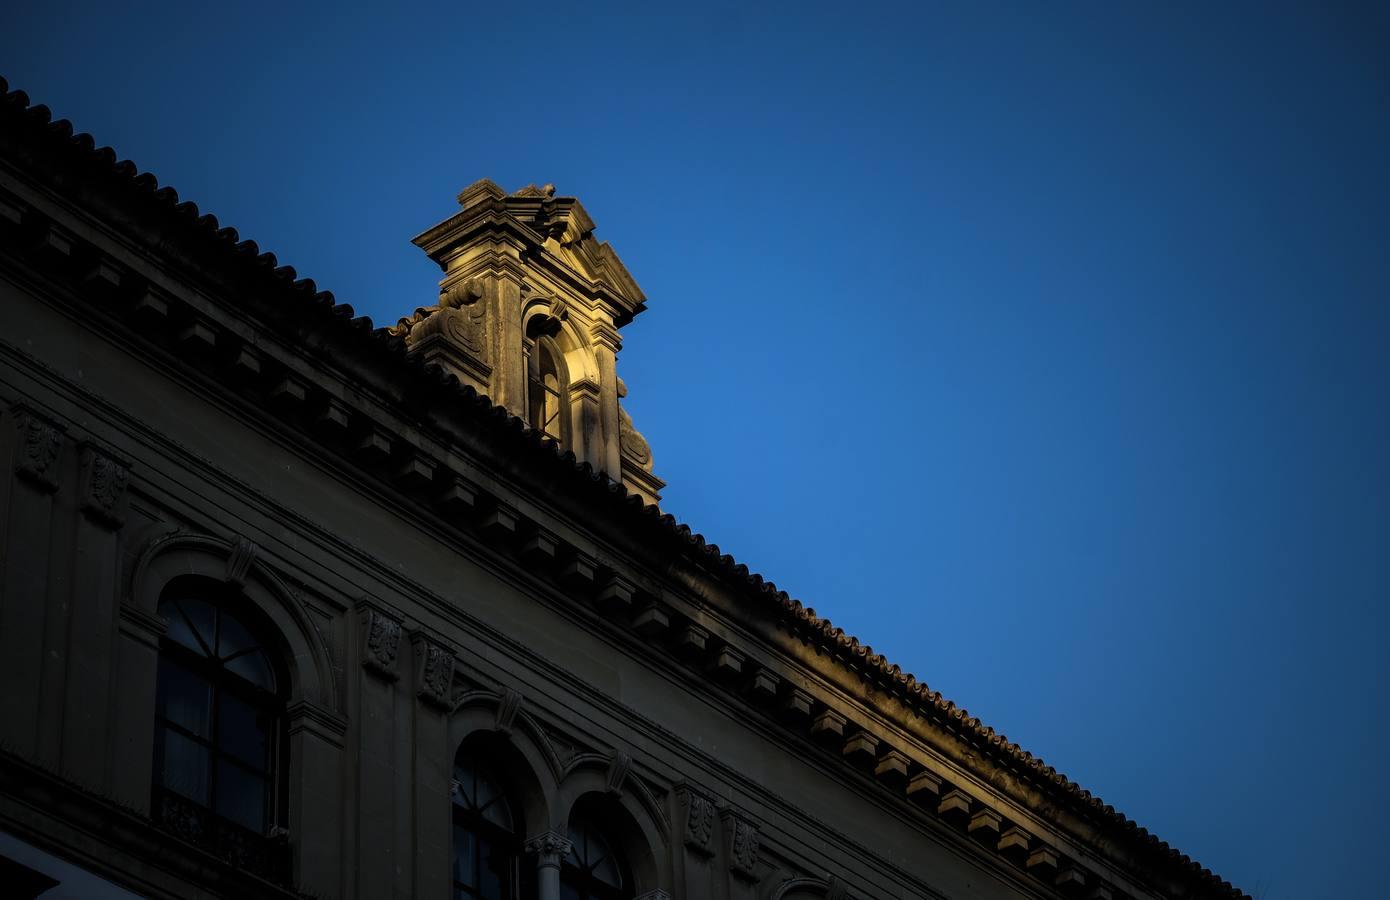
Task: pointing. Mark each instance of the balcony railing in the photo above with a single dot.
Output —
(266, 856)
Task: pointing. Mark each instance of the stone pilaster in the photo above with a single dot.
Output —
(94, 613)
(380, 767)
(431, 771)
(35, 446)
(316, 796)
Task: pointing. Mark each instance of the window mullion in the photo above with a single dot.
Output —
(216, 733)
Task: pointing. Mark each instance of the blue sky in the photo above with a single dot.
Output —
(1044, 348)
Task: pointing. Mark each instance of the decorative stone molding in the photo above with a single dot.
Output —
(697, 820)
(239, 561)
(985, 825)
(1014, 843)
(924, 787)
(317, 720)
(741, 842)
(381, 639)
(434, 671)
(453, 332)
(728, 662)
(540, 547)
(618, 768)
(608, 337)
(579, 571)
(615, 597)
(764, 685)
(103, 486)
(798, 704)
(36, 451)
(549, 848)
(955, 805)
(828, 726)
(892, 767)
(507, 709)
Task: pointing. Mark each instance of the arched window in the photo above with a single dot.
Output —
(594, 868)
(486, 827)
(220, 738)
(548, 388)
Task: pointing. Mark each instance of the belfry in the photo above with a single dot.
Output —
(529, 312)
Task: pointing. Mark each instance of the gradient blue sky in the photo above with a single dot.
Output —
(1046, 349)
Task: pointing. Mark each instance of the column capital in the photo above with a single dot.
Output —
(549, 847)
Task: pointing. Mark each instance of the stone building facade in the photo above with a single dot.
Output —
(296, 606)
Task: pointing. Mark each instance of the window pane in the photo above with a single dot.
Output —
(491, 871)
(498, 813)
(183, 765)
(606, 871)
(184, 698)
(241, 731)
(240, 796)
(255, 668)
(569, 892)
(234, 638)
(485, 790)
(190, 619)
(465, 853)
(576, 854)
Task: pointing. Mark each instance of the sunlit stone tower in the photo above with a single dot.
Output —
(529, 313)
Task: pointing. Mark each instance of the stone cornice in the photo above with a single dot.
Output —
(492, 215)
(414, 461)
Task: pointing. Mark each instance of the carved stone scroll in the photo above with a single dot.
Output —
(434, 671)
(618, 767)
(103, 486)
(507, 710)
(381, 643)
(697, 817)
(741, 842)
(240, 560)
(36, 451)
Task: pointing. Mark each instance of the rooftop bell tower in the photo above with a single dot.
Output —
(529, 312)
